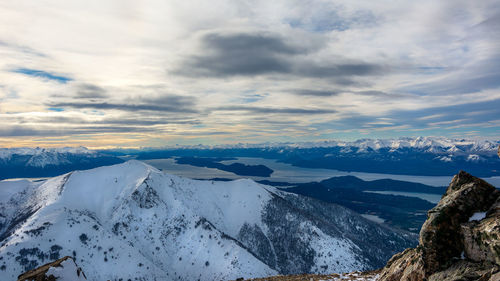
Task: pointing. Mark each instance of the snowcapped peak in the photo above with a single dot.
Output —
(131, 220)
(430, 144)
(42, 157)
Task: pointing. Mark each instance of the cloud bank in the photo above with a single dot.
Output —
(149, 74)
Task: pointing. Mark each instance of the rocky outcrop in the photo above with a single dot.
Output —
(440, 236)
(64, 269)
(407, 265)
(463, 270)
(459, 240)
(481, 239)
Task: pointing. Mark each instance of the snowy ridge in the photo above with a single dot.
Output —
(429, 144)
(132, 221)
(41, 157)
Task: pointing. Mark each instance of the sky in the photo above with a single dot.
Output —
(158, 73)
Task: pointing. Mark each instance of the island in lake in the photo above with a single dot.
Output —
(236, 168)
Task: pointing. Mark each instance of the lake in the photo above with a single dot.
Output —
(287, 173)
(433, 198)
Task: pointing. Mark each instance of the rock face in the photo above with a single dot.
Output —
(482, 238)
(440, 234)
(459, 240)
(64, 269)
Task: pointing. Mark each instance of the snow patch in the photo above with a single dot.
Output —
(67, 271)
(477, 216)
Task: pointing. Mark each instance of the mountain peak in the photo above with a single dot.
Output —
(132, 221)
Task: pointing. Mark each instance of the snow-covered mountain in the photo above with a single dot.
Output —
(43, 162)
(438, 145)
(41, 157)
(428, 144)
(131, 221)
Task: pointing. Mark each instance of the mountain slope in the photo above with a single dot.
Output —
(132, 221)
(404, 212)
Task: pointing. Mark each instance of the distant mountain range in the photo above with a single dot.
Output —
(429, 144)
(428, 156)
(46, 162)
(131, 221)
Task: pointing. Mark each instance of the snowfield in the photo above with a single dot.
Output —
(131, 221)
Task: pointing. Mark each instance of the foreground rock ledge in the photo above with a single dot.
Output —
(453, 245)
(64, 269)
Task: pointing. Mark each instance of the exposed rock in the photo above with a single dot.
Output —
(481, 239)
(466, 271)
(64, 269)
(451, 247)
(407, 265)
(440, 235)
(365, 276)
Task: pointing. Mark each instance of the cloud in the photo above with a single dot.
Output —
(72, 120)
(263, 70)
(123, 107)
(334, 92)
(315, 93)
(22, 49)
(167, 103)
(342, 69)
(263, 53)
(477, 66)
(252, 97)
(329, 16)
(274, 110)
(23, 131)
(240, 54)
(42, 74)
(478, 76)
(90, 91)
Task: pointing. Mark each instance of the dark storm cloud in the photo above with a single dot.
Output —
(274, 110)
(170, 103)
(240, 54)
(345, 69)
(90, 91)
(248, 42)
(122, 106)
(251, 54)
(316, 93)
